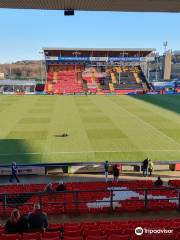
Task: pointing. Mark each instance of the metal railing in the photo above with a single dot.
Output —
(77, 198)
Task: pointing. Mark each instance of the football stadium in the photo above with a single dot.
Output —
(101, 102)
(91, 149)
(117, 128)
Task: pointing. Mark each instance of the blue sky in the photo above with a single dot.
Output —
(23, 33)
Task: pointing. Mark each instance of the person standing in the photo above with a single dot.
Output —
(14, 172)
(150, 167)
(106, 170)
(115, 173)
(145, 167)
(38, 221)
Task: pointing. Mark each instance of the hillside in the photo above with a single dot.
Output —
(23, 69)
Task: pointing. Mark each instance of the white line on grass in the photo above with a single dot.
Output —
(85, 152)
(150, 125)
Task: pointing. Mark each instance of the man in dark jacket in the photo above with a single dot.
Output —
(37, 220)
(115, 172)
(158, 182)
(145, 167)
(106, 169)
(14, 172)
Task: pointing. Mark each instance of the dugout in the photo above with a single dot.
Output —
(17, 86)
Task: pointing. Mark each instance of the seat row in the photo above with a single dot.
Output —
(23, 188)
(128, 196)
(104, 230)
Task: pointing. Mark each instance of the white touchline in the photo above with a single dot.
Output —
(150, 125)
(84, 152)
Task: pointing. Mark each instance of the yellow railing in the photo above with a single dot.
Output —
(111, 87)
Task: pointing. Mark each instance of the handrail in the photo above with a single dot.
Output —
(76, 201)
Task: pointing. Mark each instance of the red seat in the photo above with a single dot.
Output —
(117, 231)
(28, 236)
(10, 237)
(72, 228)
(56, 238)
(92, 232)
(143, 237)
(164, 237)
(72, 233)
(118, 237)
(51, 234)
(54, 227)
(90, 228)
(72, 238)
(96, 238)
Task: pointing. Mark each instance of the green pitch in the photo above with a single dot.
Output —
(99, 127)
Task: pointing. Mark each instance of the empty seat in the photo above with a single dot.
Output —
(96, 237)
(10, 237)
(118, 237)
(72, 233)
(50, 238)
(31, 236)
(72, 238)
(51, 234)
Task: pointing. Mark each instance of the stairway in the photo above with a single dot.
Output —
(113, 78)
(136, 76)
(111, 87)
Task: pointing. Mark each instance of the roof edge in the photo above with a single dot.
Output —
(100, 49)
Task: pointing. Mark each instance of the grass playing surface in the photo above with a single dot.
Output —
(99, 127)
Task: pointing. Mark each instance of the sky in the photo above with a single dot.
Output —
(23, 33)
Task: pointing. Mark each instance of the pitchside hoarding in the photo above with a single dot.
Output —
(23, 171)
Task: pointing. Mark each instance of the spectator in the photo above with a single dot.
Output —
(150, 167)
(158, 182)
(49, 188)
(14, 172)
(16, 223)
(115, 173)
(61, 187)
(145, 167)
(106, 170)
(37, 220)
(23, 224)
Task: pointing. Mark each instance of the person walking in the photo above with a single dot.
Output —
(150, 167)
(106, 169)
(145, 167)
(14, 172)
(115, 173)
